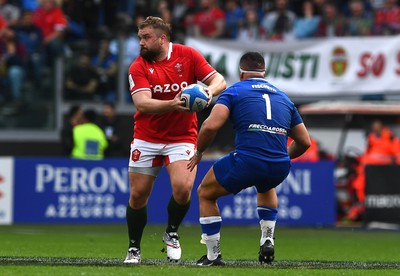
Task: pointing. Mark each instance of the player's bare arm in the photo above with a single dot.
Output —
(144, 103)
(301, 141)
(218, 116)
(216, 84)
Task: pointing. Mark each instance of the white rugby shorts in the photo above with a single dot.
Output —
(147, 155)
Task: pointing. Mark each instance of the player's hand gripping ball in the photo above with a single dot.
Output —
(195, 97)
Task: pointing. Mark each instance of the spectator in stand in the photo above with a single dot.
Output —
(379, 151)
(30, 36)
(112, 128)
(74, 118)
(11, 61)
(125, 46)
(267, 6)
(105, 64)
(79, 20)
(180, 7)
(109, 12)
(307, 25)
(9, 12)
(161, 6)
(295, 6)
(4, 30)
(89, 139)
(179, 10)
(129, 7)
(319, 6)
(51, 20)
(387, 19)
(377, 4)
(332, 22)
(130, 43)
(234, 18)
(189, 24)
(251, 30)
(166, 15)
(344, 6)
(29, 5)
(279, 22)
(3, 69)
(396, 150)
(209, 22)
(360, 21)
(82, 80)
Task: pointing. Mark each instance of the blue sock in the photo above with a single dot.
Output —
(210, 225)
(267, 213)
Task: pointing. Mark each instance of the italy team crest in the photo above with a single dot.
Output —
(339, 61)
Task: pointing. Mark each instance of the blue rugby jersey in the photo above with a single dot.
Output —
(262, 116)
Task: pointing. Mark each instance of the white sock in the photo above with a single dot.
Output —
(267, 231)
(213, 246)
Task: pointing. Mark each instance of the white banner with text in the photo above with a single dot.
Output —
(316, 67)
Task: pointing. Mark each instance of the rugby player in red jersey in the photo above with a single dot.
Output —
(165, 132)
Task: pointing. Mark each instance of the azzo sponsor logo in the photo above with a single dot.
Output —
(169, 87)
(339, 62)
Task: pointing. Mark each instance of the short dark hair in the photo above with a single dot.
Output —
(73, 110)
(90, 115)
(110, 104)
(252, 61)
(156, 23)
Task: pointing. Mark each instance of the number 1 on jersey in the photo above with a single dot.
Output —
(267, 106)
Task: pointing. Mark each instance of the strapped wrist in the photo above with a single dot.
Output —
(198, 153)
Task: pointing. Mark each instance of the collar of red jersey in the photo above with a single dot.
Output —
(169, 51)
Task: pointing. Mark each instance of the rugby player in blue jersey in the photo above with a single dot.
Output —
(263, 117)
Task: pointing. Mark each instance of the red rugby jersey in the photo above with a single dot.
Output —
(3, 23)
(49, 21)
(183, 66)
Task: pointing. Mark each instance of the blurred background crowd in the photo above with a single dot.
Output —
(33, 33)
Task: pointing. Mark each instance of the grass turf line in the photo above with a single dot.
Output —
(10, 260)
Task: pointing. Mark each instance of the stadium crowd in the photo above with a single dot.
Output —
(35, 32)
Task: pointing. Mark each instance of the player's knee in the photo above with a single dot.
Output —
(182, 195)
(201, 192)
(137, 204)
(138, 200)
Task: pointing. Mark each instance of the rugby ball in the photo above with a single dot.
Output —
(195, 97)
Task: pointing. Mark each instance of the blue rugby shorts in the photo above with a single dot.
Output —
(236, 172)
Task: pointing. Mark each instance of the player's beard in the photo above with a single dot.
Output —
(149, 54)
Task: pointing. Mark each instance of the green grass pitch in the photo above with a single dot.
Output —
(100, 250)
